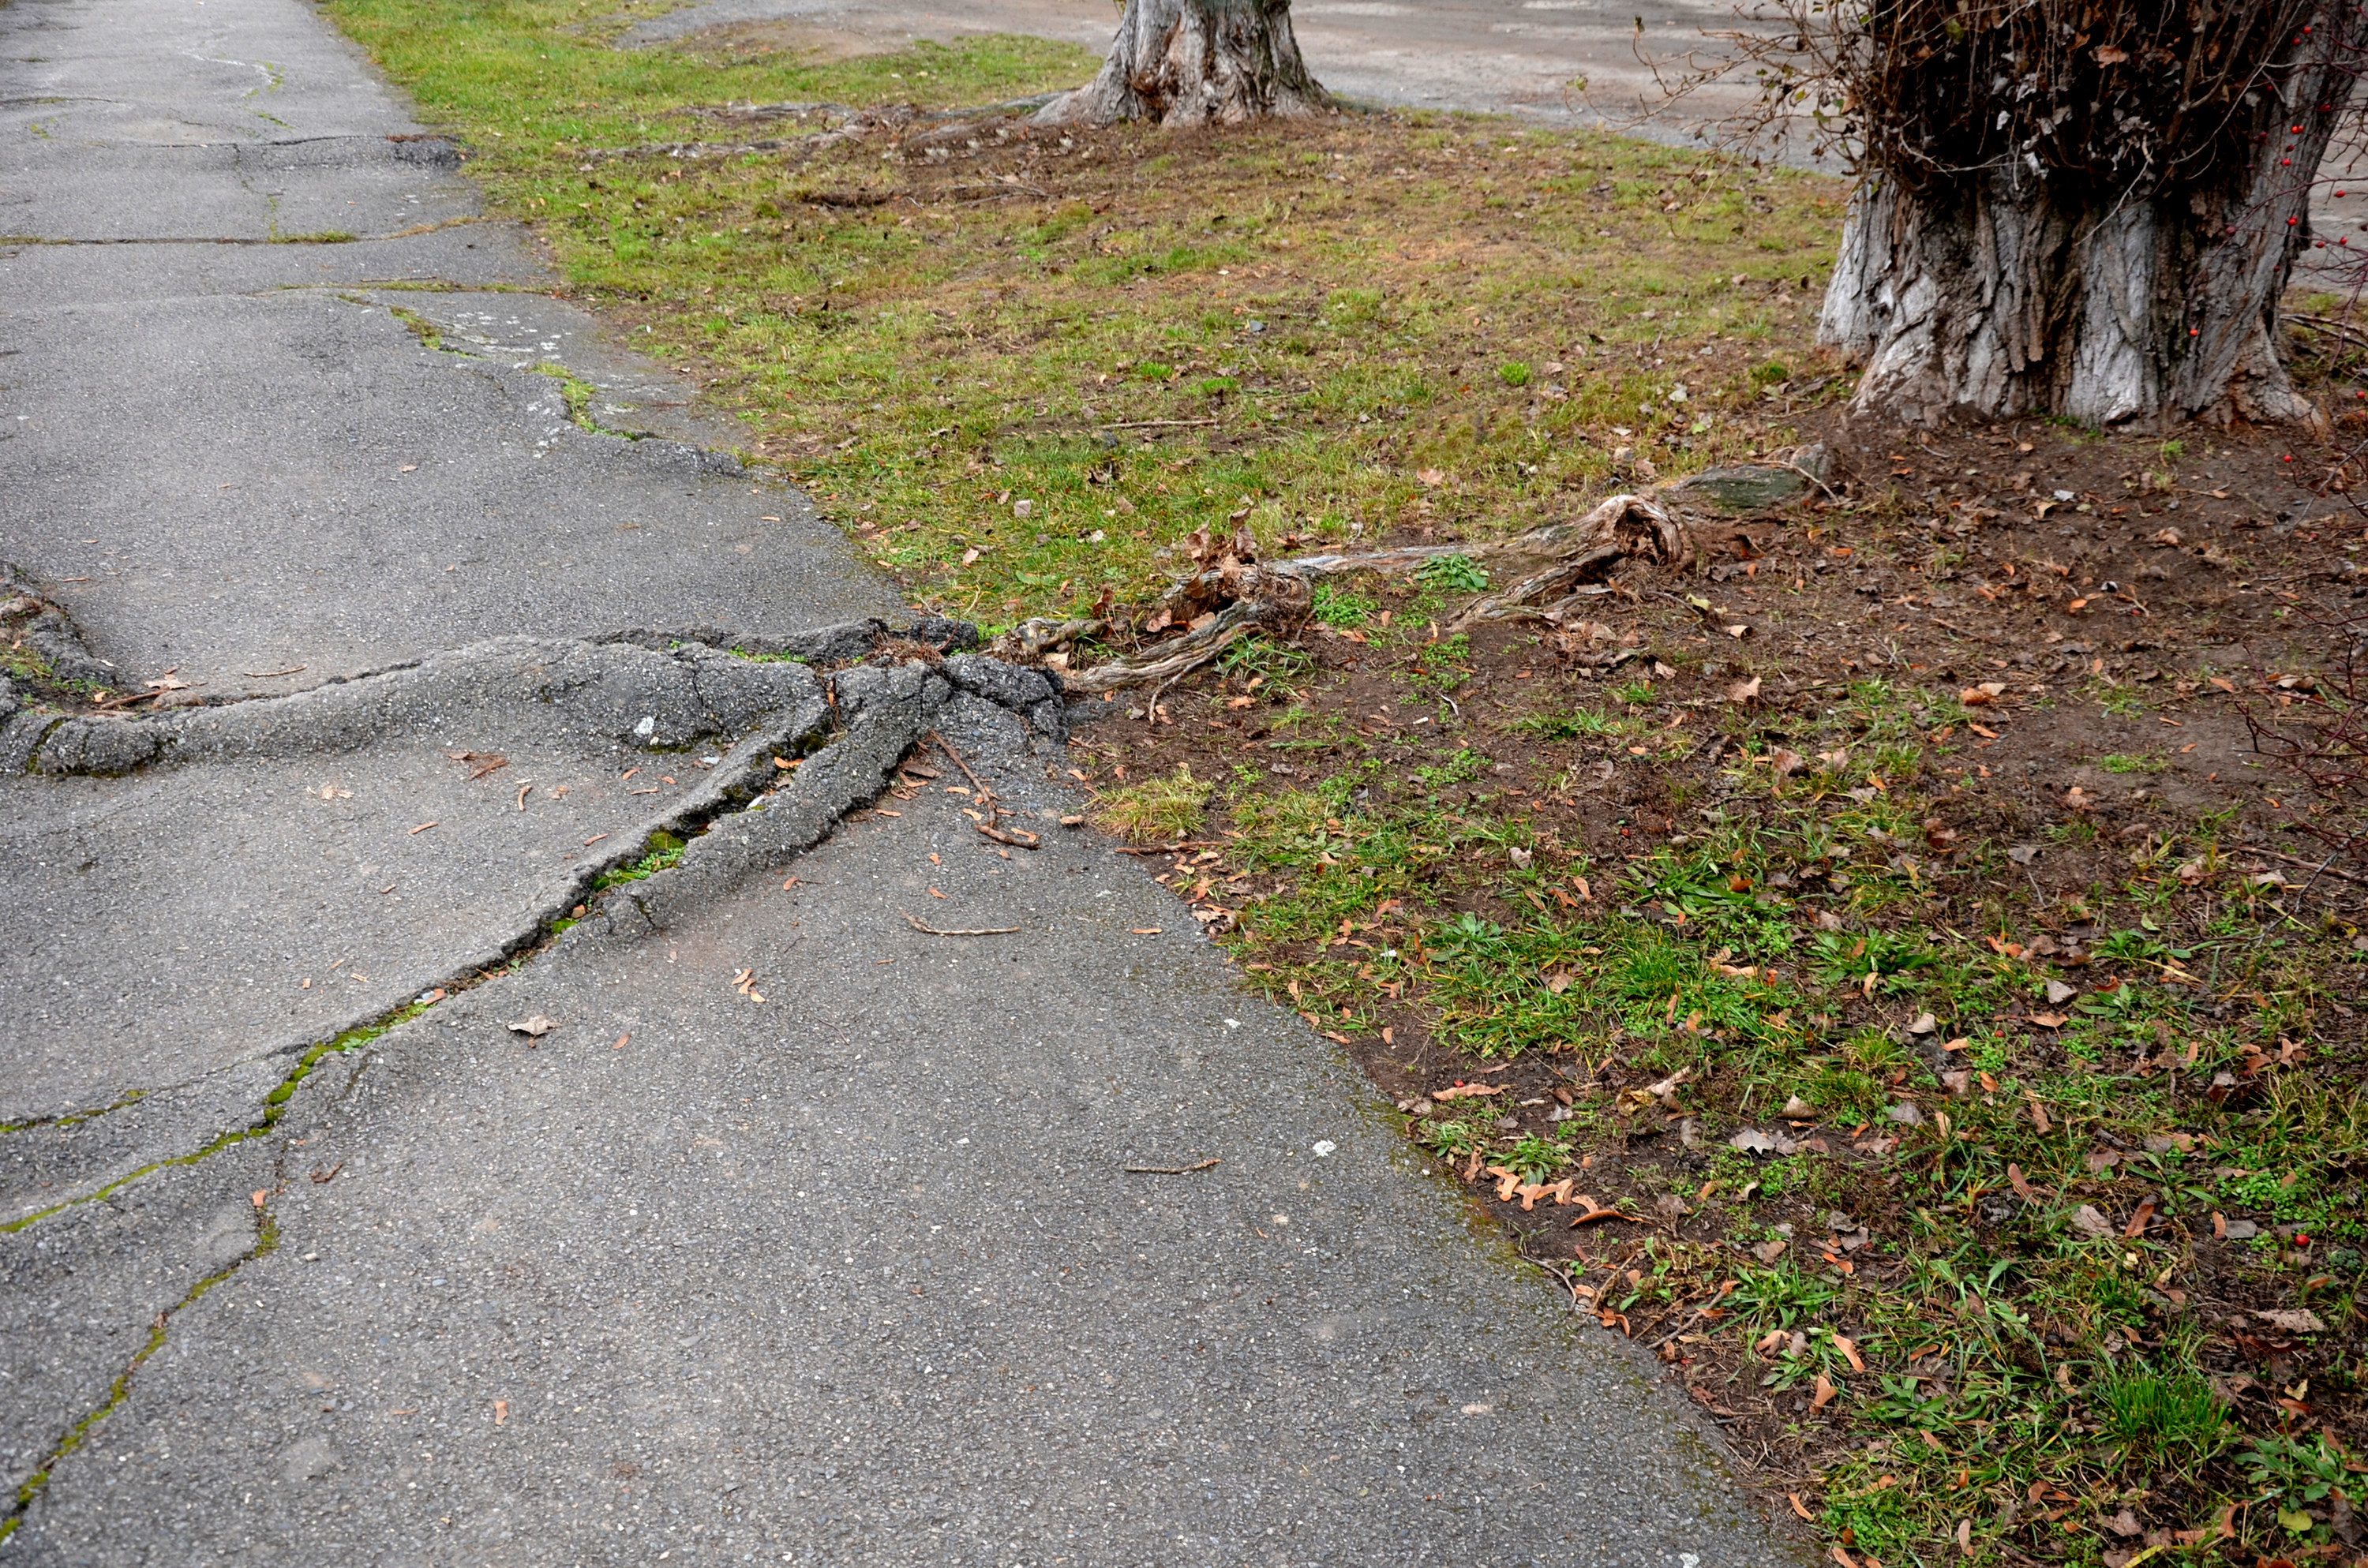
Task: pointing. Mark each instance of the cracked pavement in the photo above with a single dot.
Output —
(353, 1271)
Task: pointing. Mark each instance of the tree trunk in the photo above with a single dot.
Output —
(2013, 290)
(1191, 62)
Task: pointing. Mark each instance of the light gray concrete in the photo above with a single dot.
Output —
(802, 1235)
(230, 457)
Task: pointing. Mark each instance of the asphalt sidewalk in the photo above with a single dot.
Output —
(785, 1228)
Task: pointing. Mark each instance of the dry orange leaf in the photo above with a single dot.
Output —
(1848, 1348)
(501, 1411)
(1823, 1395)
(1800, 1507)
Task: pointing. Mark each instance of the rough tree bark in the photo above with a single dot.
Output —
(2014, 284)
(1192, 61)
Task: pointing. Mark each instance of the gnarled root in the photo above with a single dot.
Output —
(1230, 593)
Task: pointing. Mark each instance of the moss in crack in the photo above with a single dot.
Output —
(429, 334)
(267, 1242)
(579, 393)
(665, 853)
(275, 1105)
(75, 1117)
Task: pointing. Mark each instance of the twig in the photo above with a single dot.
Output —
(1152, 424)
(272, 675)
(1170, 1170)
(2318, 867)
(1151, 709)
(1168, 848)
(933, 931)
(946, 746)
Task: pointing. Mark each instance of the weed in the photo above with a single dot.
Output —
(2173, 1416)
(1169, 807)
(1341, 608)
(1453, 575)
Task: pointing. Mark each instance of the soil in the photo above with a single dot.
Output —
(2062, 566)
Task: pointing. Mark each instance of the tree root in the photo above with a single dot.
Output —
(1231, 595)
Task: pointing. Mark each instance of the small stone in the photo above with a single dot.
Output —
(2058, 992)
(1906, 1114)
(1744, 487)
(2243, 1230)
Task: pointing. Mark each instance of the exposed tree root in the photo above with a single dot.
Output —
(1230, 595)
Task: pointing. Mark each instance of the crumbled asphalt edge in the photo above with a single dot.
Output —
(881, 713)
(40, 635)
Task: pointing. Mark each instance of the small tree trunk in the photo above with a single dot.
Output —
(1191, 62)
(2004, 292)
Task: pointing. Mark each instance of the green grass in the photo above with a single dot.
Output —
(1141, 334)
(1170, 807)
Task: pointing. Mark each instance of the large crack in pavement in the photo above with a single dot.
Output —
(845, 731)
(806, 1229)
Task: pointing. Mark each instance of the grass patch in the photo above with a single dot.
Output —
(1170, 807)
(1336, 329)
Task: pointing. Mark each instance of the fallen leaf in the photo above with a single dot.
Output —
(1850, 1351)
(2107, 54)
(260, 1195)
(501, 1411)
(1825, 1392)
(1744, 691)
(1965, 1537)
(1798, 1507)
(2090, 1223)
(2293, 1320)
(2049, 1021)
(536, 1026)
(1431, 476)
(2022, 1188)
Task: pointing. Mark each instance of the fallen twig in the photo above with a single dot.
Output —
(1170, 1170)
(933, 931)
